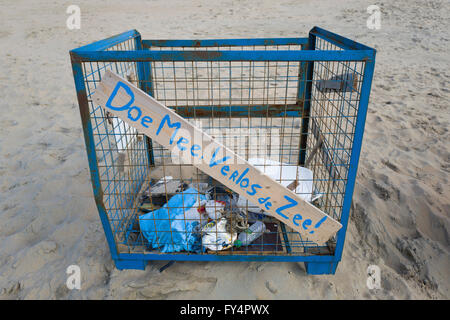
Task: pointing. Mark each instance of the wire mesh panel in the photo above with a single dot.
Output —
(295, 118)
(121, 153)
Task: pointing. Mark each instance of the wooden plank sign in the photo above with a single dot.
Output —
(195, 147)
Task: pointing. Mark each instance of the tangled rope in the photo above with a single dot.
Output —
(235, 222)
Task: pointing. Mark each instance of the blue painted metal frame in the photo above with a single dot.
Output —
(341, 42)
(306, 101)
(228, 257)
(352, 51)
(225, 42)
(257, 55)
(356, 150)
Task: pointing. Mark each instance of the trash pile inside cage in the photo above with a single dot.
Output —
(175, 215)
(294, 108)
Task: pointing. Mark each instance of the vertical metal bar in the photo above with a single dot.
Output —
(307, 103)
(302, 79)
(92, 157)
(145, 83)
(356, 149)
(285, 238)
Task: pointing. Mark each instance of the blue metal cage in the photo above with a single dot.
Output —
(307, 97)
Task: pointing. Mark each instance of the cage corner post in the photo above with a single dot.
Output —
(317, 268)
(356, 150)
(91, 152)
(305, 94)
(144, 79)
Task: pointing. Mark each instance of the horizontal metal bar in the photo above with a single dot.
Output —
(226, 257)
(108, 42)
(338, 40)
(225, 42)
(257, 55)
(271, 110)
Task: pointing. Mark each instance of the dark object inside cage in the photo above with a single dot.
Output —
(293, 107)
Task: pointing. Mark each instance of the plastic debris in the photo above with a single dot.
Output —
(202, 187)
(164, 189)
(287, 173)
(167, 229)
(223, 194)
(214, 209)
(343, 82)
(147, 207)
(217, 237)
(197, 212)
(182, 217)
(251, 234)
(244, 204)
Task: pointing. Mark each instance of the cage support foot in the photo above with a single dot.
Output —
(321, 267)
(130, 264)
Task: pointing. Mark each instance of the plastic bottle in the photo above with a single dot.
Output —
(251, 234)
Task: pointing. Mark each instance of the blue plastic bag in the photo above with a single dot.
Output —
(176, 234)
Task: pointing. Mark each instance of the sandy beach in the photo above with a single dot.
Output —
(401, 204)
